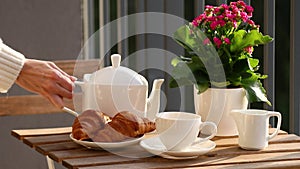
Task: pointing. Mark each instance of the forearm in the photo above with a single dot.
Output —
(11, 63)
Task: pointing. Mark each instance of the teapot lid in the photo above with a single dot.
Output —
(117, 75)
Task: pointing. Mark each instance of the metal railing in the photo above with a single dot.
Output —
(294, 67)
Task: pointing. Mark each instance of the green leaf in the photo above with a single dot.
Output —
(179, 82)
(196, 64)
(263, 76)
(242, 39)
(173, 83)
(253, 63)
(220, 84)
(200, 76)
(240, 66)
(256, 92)
(248, 75)
(183, 37)
(191, 38)
(235, 79)
(202, 87)
(249, 78)
(175, 61)
(181, 70)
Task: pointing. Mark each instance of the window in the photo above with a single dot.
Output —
(277, 18)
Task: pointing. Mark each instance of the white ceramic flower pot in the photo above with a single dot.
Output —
(216, 104)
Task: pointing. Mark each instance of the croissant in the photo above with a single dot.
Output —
(108, 134)
(87, 124)
(124, 125)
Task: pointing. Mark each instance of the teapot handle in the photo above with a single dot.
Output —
(79, 83)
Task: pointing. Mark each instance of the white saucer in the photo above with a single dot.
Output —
(107, 145)
(155, 146)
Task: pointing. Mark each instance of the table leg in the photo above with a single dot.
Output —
(50, 163)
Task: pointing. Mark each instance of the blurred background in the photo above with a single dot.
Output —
(59, 29)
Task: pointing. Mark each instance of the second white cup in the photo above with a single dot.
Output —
(178, 130)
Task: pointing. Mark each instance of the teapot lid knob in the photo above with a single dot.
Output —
(115, 60)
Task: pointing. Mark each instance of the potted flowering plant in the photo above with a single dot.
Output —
(219, 45)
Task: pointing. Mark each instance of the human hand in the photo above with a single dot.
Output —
(46, 79)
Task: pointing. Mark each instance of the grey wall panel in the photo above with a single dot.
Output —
(40, 29)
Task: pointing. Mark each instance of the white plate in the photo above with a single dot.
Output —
(155, 146)
(107, 145)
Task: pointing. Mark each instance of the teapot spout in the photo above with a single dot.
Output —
(153, 102)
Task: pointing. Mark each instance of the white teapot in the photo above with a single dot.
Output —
(117, 88)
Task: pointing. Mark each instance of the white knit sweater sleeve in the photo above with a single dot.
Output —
(11, 63)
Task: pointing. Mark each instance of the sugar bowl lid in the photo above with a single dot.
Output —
(117, 75)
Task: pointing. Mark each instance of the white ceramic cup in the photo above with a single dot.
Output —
(178, 130)
(253, 127)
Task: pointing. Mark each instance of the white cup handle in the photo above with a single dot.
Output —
(213, 130)
(278, 115)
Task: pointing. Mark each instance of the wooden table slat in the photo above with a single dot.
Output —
(278, 139)
(282, 147)
(46, 148)
(285, 139)
(58, 156)
(293, 164)
(271, 130)
(207, 161)
(20, 134)
(97, 160)
(34, 141)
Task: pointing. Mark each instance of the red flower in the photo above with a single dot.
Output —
(206, 41)
(225, 6)
(217, 41)
(250, 22)
(244, 16)
(249, 9)
(219, 23)
(227, 41)
(249, 49)
(213, 25)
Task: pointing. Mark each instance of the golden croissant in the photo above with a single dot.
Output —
(87, 124)
(124, 125)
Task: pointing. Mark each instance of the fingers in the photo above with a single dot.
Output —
(56, 100)
(65, 82)
(56, 97)
(72, 78)
(60, 86)
(63, 92)
(63, 79)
